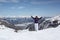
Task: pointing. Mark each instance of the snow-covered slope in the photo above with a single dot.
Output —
(46, 34)
(55, 18)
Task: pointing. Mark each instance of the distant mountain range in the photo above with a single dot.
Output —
(18, 20)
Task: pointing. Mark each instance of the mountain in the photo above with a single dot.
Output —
(56, 18)
(17, 20)
(46, 34)
(44, 23)
(49, 22)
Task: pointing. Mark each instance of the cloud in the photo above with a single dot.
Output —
(3, 0)
(20, 7)
(15, 1)
(13, 8)
(45, 2)
(32, 1)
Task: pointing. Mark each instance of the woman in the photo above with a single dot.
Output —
(36, 19)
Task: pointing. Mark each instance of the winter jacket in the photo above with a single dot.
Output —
(36, 19)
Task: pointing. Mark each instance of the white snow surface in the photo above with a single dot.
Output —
(23, 24)
(55, 18)
(46, 34)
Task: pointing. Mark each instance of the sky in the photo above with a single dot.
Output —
(29, 7)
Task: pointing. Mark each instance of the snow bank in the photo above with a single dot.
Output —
(46, 34)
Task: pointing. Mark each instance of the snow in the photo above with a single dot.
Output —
(46, 34)
(55, 18)
(20, 25)
(23, 24)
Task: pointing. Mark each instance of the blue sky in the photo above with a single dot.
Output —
(29, 7)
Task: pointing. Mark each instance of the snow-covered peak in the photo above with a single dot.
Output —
(14, 16)
(55, 18)
(17, 16)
